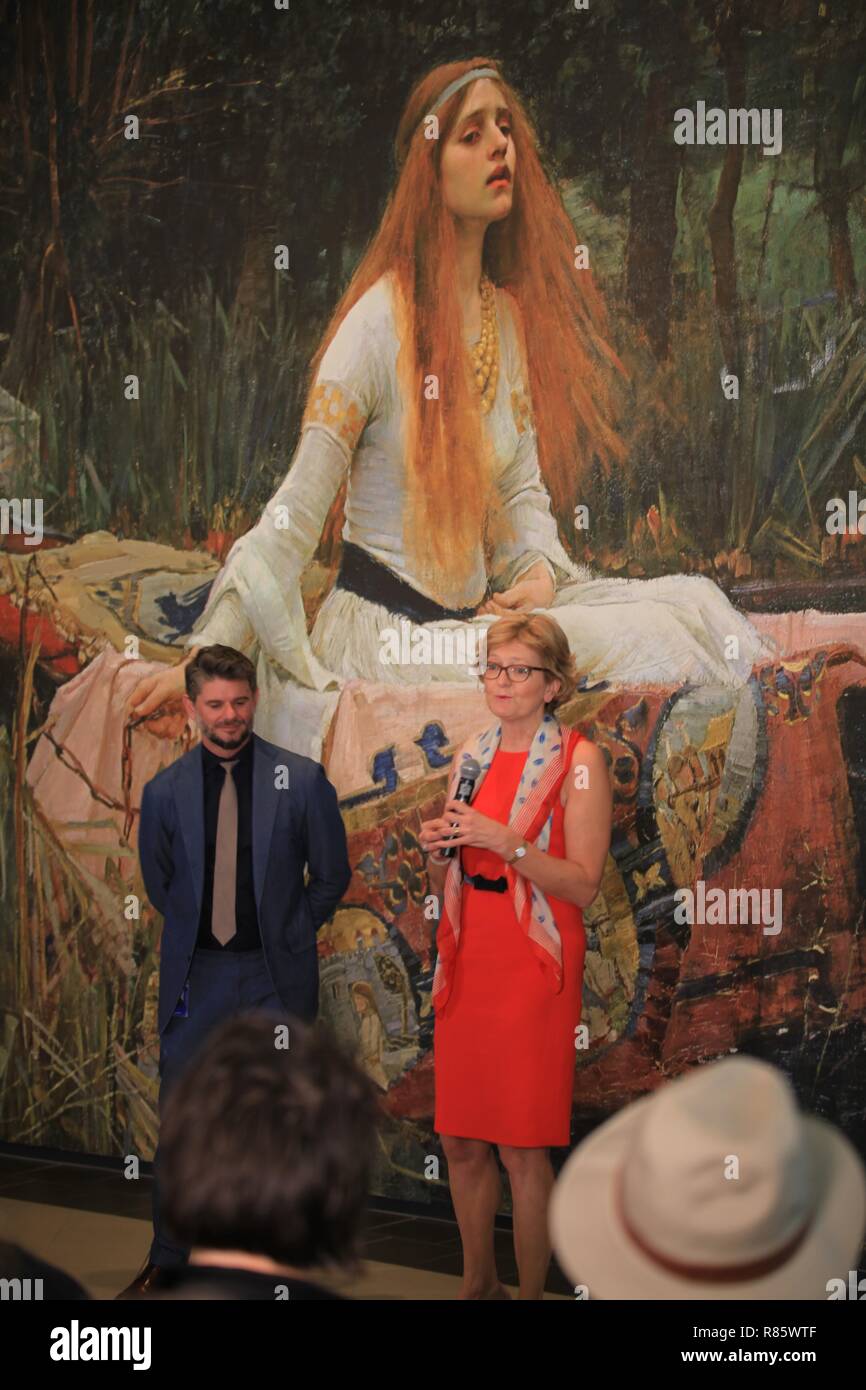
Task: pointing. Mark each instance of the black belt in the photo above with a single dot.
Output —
(487, 885)
(361, 574)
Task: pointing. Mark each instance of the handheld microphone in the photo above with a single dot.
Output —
(465, 787)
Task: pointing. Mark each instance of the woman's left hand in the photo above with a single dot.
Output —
(535, 589)
(474, 829)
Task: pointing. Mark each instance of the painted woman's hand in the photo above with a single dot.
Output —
(164, 691)
(535, 589)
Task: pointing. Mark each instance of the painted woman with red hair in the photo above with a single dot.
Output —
(464, 381)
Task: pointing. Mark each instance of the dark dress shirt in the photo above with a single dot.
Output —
(248, 936)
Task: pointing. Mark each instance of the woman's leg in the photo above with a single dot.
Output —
(476, 1192)
(531, 1175)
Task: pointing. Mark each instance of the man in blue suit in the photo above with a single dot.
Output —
(224, 837)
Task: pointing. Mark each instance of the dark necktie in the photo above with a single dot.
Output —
(223, 923)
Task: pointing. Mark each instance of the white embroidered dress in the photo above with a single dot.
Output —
(659, 630)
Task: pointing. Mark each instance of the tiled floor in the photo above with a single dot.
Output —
(95, 1224)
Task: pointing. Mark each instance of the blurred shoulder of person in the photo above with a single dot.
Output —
(36, 1280)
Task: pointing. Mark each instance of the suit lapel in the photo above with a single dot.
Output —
(265, 794)
(189, 797)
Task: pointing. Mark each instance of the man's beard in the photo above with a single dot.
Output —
(223, 738)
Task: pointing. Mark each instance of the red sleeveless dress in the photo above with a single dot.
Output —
(503, 1047)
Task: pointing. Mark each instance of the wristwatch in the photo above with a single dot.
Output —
(518, 853)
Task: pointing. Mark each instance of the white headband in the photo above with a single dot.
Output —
(459, 82)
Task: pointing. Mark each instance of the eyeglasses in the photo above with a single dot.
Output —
(493, 670)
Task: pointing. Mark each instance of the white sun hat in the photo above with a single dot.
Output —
(715, 1186)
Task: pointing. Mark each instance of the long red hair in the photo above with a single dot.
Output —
(561, 323)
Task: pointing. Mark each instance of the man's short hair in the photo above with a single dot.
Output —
(268, 1149)
(217, 661)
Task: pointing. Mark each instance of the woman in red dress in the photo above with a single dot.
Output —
(507, 993)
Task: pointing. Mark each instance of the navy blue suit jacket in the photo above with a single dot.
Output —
(293, 825)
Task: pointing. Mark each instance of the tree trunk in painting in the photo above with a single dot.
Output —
(834, 93)
(720, 219)
(253, 301)
(21, 365)
(652, 224)
(22, 362)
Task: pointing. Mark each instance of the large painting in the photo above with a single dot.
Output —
(241, 402)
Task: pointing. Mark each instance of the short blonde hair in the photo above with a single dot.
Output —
(542, 632)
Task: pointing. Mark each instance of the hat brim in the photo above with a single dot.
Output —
(596, 1251)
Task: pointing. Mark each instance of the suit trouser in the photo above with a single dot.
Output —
(221, 985)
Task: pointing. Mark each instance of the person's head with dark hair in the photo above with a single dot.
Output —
(221, 697)
(265, 1148)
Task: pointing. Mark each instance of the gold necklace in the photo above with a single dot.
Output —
(485, 353)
